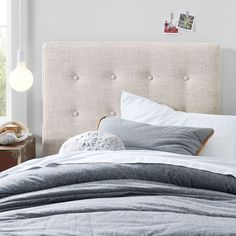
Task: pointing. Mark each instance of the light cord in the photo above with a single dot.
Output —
(20, 26)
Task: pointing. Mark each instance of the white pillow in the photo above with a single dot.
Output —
(92, 141)
(221, 144)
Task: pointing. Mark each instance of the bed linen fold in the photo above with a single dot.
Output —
(117, 199)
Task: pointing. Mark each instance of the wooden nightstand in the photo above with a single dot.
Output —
(15, 154)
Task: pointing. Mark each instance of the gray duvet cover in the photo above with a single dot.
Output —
(117, 199)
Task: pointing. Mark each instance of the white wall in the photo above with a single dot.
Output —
(128, 20)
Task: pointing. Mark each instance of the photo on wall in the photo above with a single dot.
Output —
(170, 25)
(186, 21)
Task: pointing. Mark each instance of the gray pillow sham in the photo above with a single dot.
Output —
(175, 139)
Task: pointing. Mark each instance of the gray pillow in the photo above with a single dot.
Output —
(175, 139)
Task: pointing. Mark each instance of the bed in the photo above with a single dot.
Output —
(128, 192)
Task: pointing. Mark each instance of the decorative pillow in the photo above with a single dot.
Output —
(179, 140)
(92, 141)
(141, 109)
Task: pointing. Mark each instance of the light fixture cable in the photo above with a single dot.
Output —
(20, 25)
(20, 51)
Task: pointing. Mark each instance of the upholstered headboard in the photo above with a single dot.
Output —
(82, 82)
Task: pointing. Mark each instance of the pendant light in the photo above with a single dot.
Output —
(21, 78)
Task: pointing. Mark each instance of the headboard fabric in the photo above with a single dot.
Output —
(82, 82)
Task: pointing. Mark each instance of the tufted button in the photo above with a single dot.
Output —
(113, 77)
(75, 113)
(150, 77)
(186, 78)
(76, 77)
(113, 113)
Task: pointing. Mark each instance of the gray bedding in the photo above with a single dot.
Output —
(117, 199)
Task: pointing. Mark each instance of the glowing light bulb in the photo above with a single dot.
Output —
(21, 78)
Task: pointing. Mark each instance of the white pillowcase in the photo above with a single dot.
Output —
(221, 144)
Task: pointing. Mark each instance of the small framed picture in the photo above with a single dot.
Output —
(170, 26)
(186, 21)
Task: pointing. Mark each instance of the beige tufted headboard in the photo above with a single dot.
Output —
(82, 82)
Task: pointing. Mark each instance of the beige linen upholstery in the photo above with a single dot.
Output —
(82, 82)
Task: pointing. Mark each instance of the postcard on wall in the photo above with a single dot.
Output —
(170, 25)
(186, 21)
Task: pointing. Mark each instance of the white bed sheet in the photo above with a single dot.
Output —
(211, 164)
